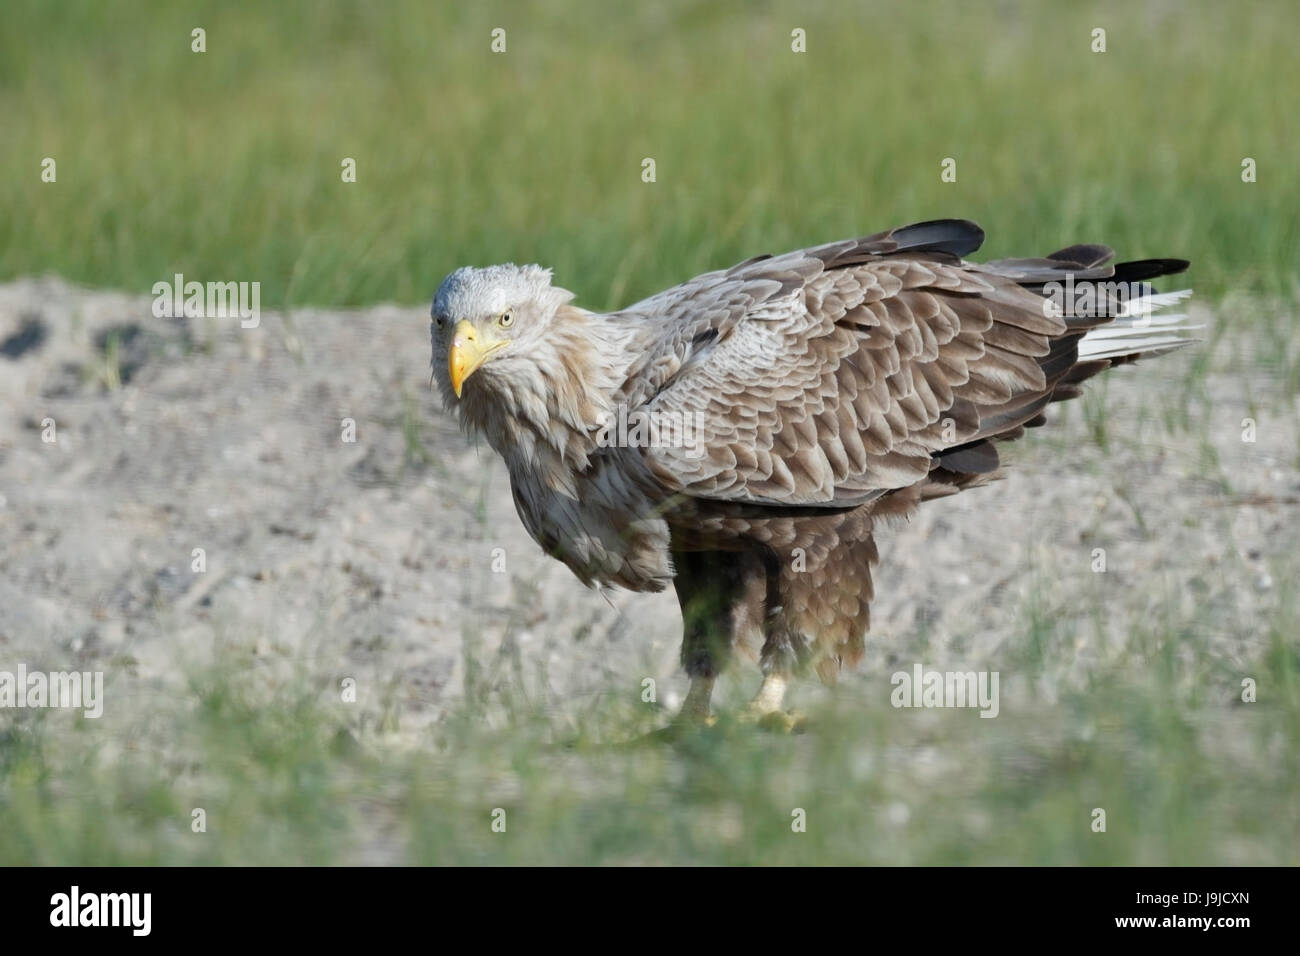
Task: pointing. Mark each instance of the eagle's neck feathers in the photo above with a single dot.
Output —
(542, 412)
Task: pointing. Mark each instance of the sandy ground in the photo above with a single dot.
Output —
(373, 558)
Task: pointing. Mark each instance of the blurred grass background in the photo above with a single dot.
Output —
(226, 164)
(1185, 776)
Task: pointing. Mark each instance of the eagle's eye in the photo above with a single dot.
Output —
(506, 320)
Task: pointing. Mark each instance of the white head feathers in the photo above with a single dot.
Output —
(470, 292)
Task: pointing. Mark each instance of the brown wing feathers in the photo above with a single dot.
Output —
(1061, 367)
(846, 370)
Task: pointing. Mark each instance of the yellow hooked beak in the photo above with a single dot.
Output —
(469, 349)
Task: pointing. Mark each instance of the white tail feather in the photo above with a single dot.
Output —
(1137, 330)
(1154, 303)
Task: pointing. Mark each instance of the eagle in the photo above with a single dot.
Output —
(781, 412)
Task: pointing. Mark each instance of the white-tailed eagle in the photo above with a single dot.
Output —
(804, 398)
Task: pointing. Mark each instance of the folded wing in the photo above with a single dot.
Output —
(832, 375)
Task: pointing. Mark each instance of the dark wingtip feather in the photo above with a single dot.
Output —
(959, 237)
(977, 458)
(1142, 269)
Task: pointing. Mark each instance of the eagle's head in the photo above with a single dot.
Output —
(521, 366)
(493, 325)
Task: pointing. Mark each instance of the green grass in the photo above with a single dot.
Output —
(287, 773)
(227, 164)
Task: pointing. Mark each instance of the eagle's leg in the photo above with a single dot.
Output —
(721, 597)
(697, 707)
(769, 697)
(818, 608)
(785, 653)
